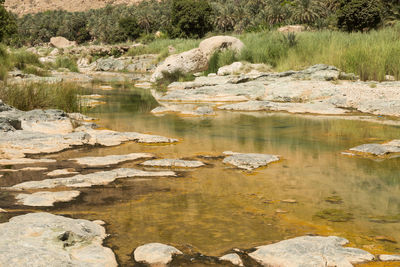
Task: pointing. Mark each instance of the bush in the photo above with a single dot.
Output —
(68, 63)
(130, 28)
(359, 15)
(8, 24)
(190, 18)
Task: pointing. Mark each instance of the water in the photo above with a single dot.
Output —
(217, 207)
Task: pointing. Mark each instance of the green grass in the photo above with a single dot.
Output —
(67, 63)
(4, 62)
(42, 95)
(169, 78)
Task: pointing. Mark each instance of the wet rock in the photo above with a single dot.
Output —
(378, 149)
(312, 251)
(110, 159)
(61, 172)
(233, 258)
(173, 163)
(389, 257)
(185, 109)
(155, 253)
(88, 180)
(249, 161)
(43, 239)
(46, 199)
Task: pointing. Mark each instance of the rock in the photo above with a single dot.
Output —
(312, 251)
(217, 43)
(185, 109)
(158, 34)
(83, 62)
(2, 210)
(43, 239)
(155, 253)
(88, 180)
(378, 149)
(9, 124)
(61, 172)
(46, 199)
(196, 60)
(204, 110)
(385, 239)
(186, 62)
(110, 159)
(230, 69)
(389, 257)
(249, 161)
(291, 28)
(291, 201)
(55, 52)
(33, 169)
(171, 49)
(280, 211)
(173, 163)
(233, 258)
(20, 161)
(61, 42)
(110, 64)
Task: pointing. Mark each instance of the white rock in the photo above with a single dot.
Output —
(249, 161)
(33, 169)
(155, 253)
(61, 42)
(230, 69)
(215, 43)
(389, 257)
(46, 199)
(88, 180)
(43, 239)
(110, 159)
(61, 172)
(291, 28)
(310, 251)
(173, 163)
(233, 258)
(20, 161)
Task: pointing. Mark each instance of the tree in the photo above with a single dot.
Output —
(190, 18)
(130, 27)
(306, 11)
(359, 15)
(8, 25)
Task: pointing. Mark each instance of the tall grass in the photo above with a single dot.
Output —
(67, 63)
(42, 95)
(4, 62)
(370, 55)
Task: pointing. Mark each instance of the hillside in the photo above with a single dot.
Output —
(22, 7)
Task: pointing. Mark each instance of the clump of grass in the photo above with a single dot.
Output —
(22, 58)
(67, 63)
(42, 95)
(219, 59)
(334, 215)
(169, 78)
(36, 71)
(4, 62)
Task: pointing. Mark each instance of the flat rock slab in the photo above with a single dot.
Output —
(173, 163)
(61, 172)
(44, 239)
(46, 199)
(312, 107)
(88, 180)
(21, 161)
(378, 149)
(155, 253)
(310, 251)
(110, 159)
(249, 161)
(389, 257)
(233, 258)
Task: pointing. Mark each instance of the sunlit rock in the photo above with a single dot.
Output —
(60, 172)
(310, 251)
(155, 253)
(233, 258)
(173, 163)
(249, 161)
(378, 149)
(43, 239)
(389, 257)
(46, 199)
(110, 159)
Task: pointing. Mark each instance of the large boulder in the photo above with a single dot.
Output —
(196, 59)
(61, 42)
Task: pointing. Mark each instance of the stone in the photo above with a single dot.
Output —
(110, 159)
(389, 257)
(230, 69)
(249, 161)
(217, 43)
(290, 201)
(61, 172)
(88, 180)
(310, 251)
(61, 42)
(233, 258)
(173, 163)
(55, 52)
(23, 161)
(378, 149)
(385, 239)
(291, 28)
(2, 210)
(155, 253)
(43, 239)
(110, 64)
(33, 169)
(46, 199)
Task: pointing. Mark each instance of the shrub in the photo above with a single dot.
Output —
(8, 24)
(359, 15)
(68, 63)
(130, 28)
(190, 18)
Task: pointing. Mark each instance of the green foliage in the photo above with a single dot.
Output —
(66, 62)
(190, 18)
(359, 15)
(42, 95)
(130, 28)
(169, 78)
(8, 24)
(219, 59)
(4, 62)
(22, 58)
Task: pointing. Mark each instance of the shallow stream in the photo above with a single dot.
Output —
(217, 207)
